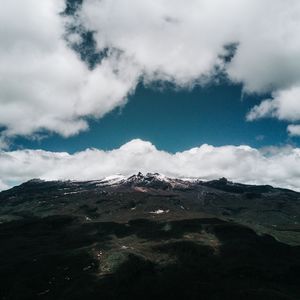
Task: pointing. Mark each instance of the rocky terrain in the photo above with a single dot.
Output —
(149, 236)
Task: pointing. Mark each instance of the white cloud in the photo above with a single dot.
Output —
(275, 166)
(294, 130)
(180, 42)
(43, 84)
(284, 105)
(169, 40)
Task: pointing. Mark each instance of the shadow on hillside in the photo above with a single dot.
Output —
(52, 258)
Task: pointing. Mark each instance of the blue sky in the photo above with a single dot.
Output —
(175, 120)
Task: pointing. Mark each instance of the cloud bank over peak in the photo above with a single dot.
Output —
(275, 166)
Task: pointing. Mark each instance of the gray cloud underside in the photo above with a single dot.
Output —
(275, 166)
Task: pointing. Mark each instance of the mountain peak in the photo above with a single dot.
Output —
(148, 180)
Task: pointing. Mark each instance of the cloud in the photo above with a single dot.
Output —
(3, 186)
(43, 83)
(185, 44)
(294, 130)
(179, 42)
(45, 86)
(275, 166)
(284, 105)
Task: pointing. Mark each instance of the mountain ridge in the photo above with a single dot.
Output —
(119, 237)
(140, 179)
(262, 207)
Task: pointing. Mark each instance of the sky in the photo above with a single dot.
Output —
(206, 89)
(174, 121)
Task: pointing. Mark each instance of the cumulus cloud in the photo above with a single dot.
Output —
(284, 105)
(43, 83)
(294, 130)
(170, 40)
(275, 166)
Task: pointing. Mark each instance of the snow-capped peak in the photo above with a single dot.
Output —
(139, 179)
(112, 180)
(149, 178)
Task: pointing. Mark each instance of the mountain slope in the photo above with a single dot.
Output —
(149, 236)
(264, 208)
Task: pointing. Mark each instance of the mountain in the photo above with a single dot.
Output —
(149, 236)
